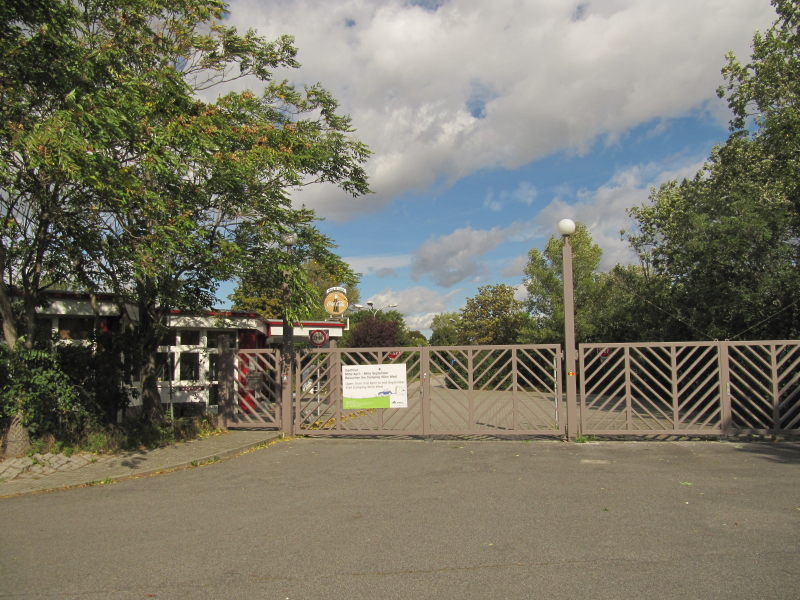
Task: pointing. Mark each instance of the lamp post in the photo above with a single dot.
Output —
(566, 227)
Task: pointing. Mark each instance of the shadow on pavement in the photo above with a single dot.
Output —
(782, 452)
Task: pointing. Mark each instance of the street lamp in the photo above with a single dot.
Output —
(566, 227)
(371, 307)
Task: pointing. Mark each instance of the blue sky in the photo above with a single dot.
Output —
(490, 121)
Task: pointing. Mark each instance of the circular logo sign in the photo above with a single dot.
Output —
(335, 302)
(318, 337)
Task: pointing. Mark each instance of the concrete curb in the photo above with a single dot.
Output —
(135, 465)
(201, 460)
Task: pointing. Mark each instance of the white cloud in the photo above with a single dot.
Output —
(520, 292)
(602, 210)
(420, 322)
(515, 267)
(525, 193)
(452, 258)
(417, 304)
(378, 265)
(442, 90)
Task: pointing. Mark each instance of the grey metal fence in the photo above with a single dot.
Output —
(470, 390)
(646, 389)
(256, 390)
(690, 388)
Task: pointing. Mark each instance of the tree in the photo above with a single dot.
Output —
(133, 183)
(726, 241)
(631, 305)
(724, 244)
(314, 269)
(764, 97)
(377, 328)
(39, 154)
(415, 337)
(374, 332)
(444, 329)
(492, 316)
(545, 284)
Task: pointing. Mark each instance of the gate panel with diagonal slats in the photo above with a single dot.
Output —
(318, 397)
(680, 388)
(256, 389)
(481, 390)
(496, 390)
(650, 389)
(765, 387)
(690, 388)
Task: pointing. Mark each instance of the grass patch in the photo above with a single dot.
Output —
(202, 463)
(105, 481)
(132, 434)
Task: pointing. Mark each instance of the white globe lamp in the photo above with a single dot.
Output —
(566, 227)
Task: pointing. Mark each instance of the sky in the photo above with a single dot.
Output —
(489, 121)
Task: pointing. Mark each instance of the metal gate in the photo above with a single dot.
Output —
(469, 390)
(690, 388)
(256, 390)
(464, 390)
(643, 389)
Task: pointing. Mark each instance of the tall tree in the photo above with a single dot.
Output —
(159, 193)
(492, 316)
(41, 152)
(764, 96)
(444, 329)
(726, 241)
(310, 268)
(545, 284)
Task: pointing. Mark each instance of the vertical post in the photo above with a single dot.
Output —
(425, 385)
(335, 395)
(776, 394)
(287, 359)
(673, 369)
(515, 390)
(724, 388)
(566, 228)
(226, 377)
(286, 394)
(287, 343)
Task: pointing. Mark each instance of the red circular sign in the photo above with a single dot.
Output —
(318, 337)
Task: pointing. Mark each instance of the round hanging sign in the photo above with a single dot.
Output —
(335, 302)
(318, 337)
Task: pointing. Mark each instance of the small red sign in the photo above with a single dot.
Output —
(318, 337)
(393, 355)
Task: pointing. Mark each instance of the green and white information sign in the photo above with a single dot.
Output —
(374, 386)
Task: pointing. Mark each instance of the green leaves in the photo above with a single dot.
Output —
(116, 176)
(493, 316)
(544, 282)
(724, 243)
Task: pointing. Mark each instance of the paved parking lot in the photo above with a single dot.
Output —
(352, 518)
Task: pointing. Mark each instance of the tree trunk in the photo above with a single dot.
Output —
(151, 396)
(10, 333)
(29, 320)
(149, 337)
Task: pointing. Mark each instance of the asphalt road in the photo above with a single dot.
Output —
(343, 518)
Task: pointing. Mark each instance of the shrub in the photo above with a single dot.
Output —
(33, 384)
